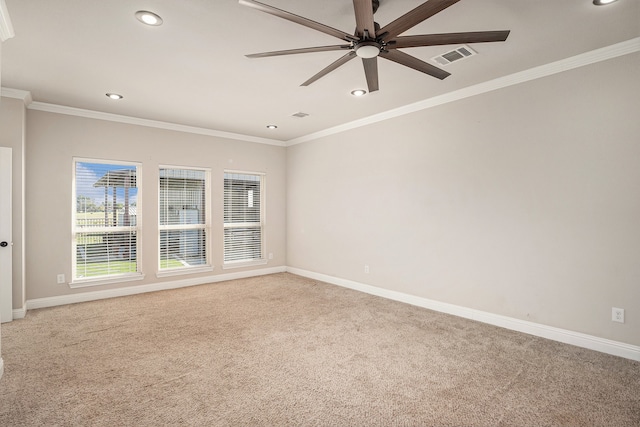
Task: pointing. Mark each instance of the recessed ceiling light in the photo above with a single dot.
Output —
(272, 127)
(148, 18)
(602, 2)
(358, 92)
(114, 95)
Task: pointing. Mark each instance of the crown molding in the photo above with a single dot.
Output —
(6, 29)
(577, 61)
(79, 112)
(23, 95)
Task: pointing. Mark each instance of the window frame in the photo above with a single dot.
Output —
(206, 227)
(262, 223)
(79, 282)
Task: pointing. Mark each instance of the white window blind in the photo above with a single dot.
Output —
(105, 220)
(184, 223)
(243, 217)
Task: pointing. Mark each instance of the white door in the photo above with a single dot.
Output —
(6, 304)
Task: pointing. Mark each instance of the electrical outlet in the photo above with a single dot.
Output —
(270, 255)
(617, 314)
(60, 279)
(366, 268)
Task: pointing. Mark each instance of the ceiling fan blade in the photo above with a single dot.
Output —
(364, 18)
(343, 60)
(448, 38)
(414, 17)
(413, 62)
(298, 20)
(302, 50)
(371, 73)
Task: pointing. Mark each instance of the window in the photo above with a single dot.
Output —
(106, 221)
(184, 218)
(243, 218)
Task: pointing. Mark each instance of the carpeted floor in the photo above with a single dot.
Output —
(284, 350)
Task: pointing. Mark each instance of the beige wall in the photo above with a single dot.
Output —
(12, 123)
(53, 141)
(522, 202)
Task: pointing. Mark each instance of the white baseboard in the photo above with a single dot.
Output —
(603, 345)
(133, 290)
(1, 367)
(19, 313)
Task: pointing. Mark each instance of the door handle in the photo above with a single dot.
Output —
(3, 244)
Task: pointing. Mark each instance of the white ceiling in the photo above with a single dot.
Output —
(192, 70)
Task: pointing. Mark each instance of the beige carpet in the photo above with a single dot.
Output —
(284, 350)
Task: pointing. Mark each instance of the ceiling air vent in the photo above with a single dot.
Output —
(457, 54)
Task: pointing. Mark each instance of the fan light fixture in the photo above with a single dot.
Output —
(358, 92)
(367, 50)
(603, 2)
(272, 127)
(115, 96)
(148, 18)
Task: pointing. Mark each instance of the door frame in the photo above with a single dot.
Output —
(6, 256)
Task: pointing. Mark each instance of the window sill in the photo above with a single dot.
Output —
(182, 271)
(241, 264)
(84, 283)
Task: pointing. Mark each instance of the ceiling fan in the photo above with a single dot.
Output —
(371, 41)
